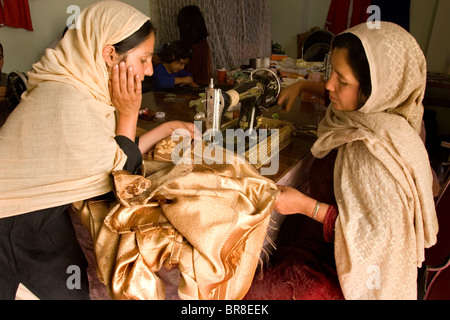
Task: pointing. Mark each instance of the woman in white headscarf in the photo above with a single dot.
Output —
(74, 126)
(381, 214)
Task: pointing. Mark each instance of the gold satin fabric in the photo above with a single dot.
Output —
(209, 220)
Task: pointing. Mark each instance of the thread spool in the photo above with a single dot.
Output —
(160, 115)
(259, 63)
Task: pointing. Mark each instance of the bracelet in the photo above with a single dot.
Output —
(316, 209)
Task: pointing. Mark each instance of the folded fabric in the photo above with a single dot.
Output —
(209, 220)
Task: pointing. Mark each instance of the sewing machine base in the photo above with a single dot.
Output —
(260, 145)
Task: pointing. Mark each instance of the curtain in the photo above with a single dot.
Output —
(344, 14)
(15, 13)
(395, 11)
(2, 15)
(238, 30)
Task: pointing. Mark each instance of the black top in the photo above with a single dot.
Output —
(132, 151)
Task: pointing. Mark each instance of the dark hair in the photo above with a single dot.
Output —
(174, 51)
(357, 60)
(191, 25)
(135, 39)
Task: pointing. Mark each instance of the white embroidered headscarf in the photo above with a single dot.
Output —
(382, 177)
(58, 145)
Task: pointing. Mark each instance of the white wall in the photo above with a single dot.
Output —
(288, 18)
(438, 54)
(22, 48)
(291, 17)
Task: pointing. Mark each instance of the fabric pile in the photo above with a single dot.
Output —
(208, 220)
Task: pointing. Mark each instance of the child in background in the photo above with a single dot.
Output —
(170, 72)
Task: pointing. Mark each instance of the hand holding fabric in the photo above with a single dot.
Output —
(290, 201)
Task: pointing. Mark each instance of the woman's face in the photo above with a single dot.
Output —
(140, 58)
(342, 85)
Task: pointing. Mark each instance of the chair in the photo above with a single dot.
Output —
(437, 258)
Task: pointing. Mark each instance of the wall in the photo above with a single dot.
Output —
(438, 54)
(288, 18)
(23, 48)
(291, 17)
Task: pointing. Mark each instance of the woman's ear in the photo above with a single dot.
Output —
(109, 55)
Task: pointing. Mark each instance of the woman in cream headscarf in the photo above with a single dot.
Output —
(64, 139)
(384, 215)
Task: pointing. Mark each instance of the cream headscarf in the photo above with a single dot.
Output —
(58, 145)
(382, 177)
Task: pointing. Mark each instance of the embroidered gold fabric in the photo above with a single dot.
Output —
(208, 220)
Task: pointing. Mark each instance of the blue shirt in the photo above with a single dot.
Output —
(162, 79)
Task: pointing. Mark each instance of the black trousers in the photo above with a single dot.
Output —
(41, 251)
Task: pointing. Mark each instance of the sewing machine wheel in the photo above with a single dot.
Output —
(271, 82)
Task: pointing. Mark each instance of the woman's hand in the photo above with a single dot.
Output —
(182, 127)
(289, 95)
(290, 201)
(125, 89)
(189, 81)
(151, 138)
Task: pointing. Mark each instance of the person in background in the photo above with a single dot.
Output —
(3, 76)
(74, 126)
(4, 110)
(170, 71)
(370, 213)
(193, 31)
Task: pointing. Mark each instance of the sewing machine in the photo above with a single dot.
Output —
(259, 92)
